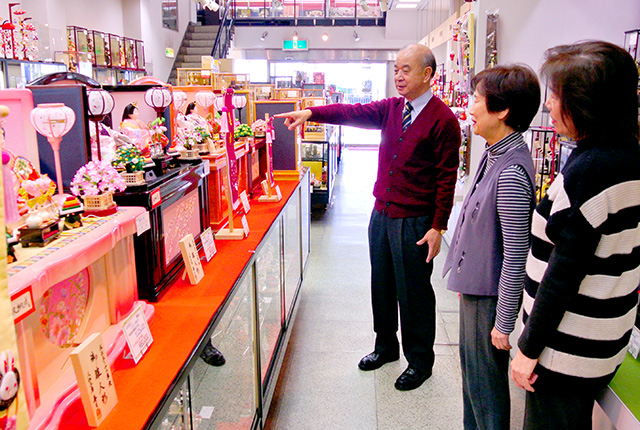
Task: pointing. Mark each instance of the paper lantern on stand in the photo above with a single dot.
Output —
(158, 98)
(239, 102)
(179, 100)
(100, 105)
(218, 103)
(54, 120)
(205, 99)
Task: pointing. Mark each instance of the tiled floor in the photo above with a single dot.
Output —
(320, 385)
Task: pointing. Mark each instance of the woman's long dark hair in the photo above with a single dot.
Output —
(597, 84)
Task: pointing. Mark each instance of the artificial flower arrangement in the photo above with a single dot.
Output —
(128, 158)
(201, 133)
(243, 130)
(37, 192)
(157, 134)
(96, 177)
(189, 139)
(260, 127)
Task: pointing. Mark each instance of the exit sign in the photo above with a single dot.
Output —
(295, 45)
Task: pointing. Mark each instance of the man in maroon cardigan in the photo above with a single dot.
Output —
(417, 166)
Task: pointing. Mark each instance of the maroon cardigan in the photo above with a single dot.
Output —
(416, 168)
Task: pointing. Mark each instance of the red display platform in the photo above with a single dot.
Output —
(181, 318)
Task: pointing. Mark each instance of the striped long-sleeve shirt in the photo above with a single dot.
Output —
(583, 270)
(513, 206)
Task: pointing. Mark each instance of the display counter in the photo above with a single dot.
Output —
(621, 399)
(247, 302)
(83, 282)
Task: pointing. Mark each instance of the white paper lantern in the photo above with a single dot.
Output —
(179, 99)
(205, 99)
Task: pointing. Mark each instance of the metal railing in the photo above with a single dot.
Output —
(224, 36)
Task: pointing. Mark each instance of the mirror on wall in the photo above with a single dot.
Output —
(170, 14)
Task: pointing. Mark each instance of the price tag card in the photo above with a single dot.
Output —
(208, 244)
(156, 198)
(278, 192)
(191, 259)
(137, 334)
(245, 202)
(265, 187)
(634, 343)
(22, 304)
(245, 225)
(143, 223)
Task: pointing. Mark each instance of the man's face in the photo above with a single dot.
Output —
(410, 77)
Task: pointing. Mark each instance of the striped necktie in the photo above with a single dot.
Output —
(406, 116)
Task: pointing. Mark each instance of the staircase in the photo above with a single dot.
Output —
(198, 41)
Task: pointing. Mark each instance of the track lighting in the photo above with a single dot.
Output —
(355, 36)
(264, 36)
(325, 37)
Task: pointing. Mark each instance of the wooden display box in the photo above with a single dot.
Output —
(218, 205)
(178, 205)
(40, 236)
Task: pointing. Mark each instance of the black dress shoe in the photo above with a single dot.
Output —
(212, 356)
(411, 379)
(375, 361)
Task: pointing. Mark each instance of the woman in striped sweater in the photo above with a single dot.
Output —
(490, 244)
(583, 268)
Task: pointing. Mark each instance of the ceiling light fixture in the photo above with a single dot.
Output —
(355, 36)
(325, 37)
(264, 36)
(295, 35)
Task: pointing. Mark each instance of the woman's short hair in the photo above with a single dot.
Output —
(514, 87)
(190, 108)
(596, 83)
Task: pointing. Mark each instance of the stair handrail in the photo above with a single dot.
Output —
(225, 27)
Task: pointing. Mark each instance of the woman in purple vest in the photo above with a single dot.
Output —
(489, 248)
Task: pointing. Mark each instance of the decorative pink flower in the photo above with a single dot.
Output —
(96, 177)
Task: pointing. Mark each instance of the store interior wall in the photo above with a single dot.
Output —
(526, 31)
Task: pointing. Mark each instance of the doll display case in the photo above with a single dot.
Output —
(257, 165)
(321, 157)
(288, 93)
(117, 51)
(139, 49)
(101, 52)
(80, 39)
(262, 91)
(178, 205)
(195, 76)
(313, 130)
(237, 81)
(80, 284)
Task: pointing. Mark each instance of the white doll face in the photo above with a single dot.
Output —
(135, 114)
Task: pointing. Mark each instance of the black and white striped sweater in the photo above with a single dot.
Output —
(583, 269)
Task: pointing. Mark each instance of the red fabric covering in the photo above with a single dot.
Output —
(181, 318)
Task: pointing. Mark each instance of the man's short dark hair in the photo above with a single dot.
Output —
(514, 87)
(597, 84)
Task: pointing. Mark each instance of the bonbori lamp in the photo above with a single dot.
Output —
(179, 100)
(54, 120)
(100, 105)
(158, 98)
(205, 99)
(239, 102)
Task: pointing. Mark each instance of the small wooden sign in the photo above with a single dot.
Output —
(208, 244)
(191, 259)
(137, 334)
(245, 202)
(95, 380)
(278, 192)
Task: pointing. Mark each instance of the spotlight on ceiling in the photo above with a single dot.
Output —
(264, 36)
(355, 36)
(325, 37)
(295, 35)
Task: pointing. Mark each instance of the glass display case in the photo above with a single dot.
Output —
(101, 55)
(268, 287)
(313, 130)
(292, 258)
(262, 91)
(237, 81)
(313, 90)
(191, 76)
(140, 54)
(130, 53)
(178, 415)
(288, 93)
(17, 74)
(321, 157)
(81, 40)
(117, 51)
(230, 390)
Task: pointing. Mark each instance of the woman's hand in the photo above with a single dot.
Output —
(500, 340)
(522, 371)
(294, 118)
